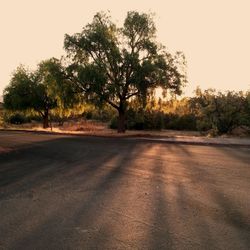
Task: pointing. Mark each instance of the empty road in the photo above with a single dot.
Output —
(73, 192)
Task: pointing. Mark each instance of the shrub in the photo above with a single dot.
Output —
(113, 123)
(183, 122)
(18, 119)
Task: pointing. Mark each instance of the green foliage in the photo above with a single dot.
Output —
(19, 94)
(114, 69)
(181, 122)
(104, 114)
(41, 90)
(113, 65)
(156, 120)
(209, 110)
(18, 119)
(220, 111)
(28, 90)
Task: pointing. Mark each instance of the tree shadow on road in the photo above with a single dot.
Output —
(46, 162)
(120, 194)
(220, 208)
(91, 176)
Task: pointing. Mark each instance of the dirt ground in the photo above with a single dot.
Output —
(90, 127)
(71, 192)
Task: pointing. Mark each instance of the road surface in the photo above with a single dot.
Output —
(66, 192)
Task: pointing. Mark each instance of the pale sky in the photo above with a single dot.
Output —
(213, 34)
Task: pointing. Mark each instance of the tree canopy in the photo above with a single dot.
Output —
(114, 64)
(40, 90)
(220, 111)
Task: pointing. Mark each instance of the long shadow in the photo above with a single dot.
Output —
(86, 210)
(170, 203)
(163, 237)
(192, 215)
(241, 154)
(228, 214)
(158, 234)
(193, 218)
(94, 174)
(32, 166)
(110, 190)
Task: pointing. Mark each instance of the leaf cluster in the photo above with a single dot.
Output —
(113, 64)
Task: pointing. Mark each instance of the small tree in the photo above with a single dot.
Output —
(52, 74)
(221, 111)
(40, 90)
(113, 65)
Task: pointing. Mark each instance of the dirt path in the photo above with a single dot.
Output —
(65, 192)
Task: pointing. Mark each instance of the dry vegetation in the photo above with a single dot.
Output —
(91, 127)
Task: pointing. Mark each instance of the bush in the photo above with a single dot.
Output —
(88, 114)
(219, 111)
(135, 120)
(18, 119)
(156, 120)
(113, 123)
(177, 122)
(203, 124)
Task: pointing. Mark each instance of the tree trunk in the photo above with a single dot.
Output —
(121, 122)
(46, 119)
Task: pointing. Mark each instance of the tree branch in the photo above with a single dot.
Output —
(111, 103)
(132, 94)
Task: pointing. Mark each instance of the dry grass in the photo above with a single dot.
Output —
(73, 127)
(82, 125)
(87, 127)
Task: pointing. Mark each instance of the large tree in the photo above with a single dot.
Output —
(40, 90)
(113, 65)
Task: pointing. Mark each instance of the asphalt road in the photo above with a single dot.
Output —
(65, 192)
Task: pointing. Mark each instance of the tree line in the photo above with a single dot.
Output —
(117, 69)
(105, 64)
(208, 110)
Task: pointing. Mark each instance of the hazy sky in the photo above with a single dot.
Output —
(213, 34)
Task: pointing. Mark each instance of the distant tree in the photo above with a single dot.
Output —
(221, 111)
(40, 90)
(248, 103)
(52, 74)
(113, 65)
